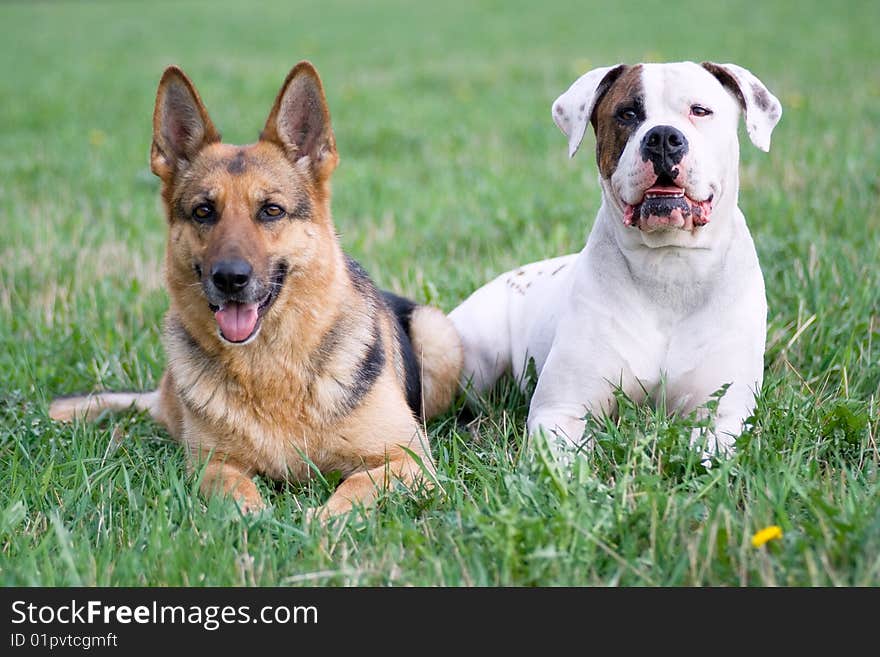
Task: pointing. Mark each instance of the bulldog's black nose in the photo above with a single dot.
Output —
(231, 276)
(664, 146)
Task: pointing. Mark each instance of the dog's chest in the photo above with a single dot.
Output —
(262, 429)
(650, 324)
(262, 414)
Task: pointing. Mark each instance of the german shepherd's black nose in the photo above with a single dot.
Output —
(231, 276)
(664, 146)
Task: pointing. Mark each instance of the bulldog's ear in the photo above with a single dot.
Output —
(299, 121)
(573, 109)
(181, 125)
(762, 109)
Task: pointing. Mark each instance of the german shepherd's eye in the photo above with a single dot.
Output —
(271, 212)
(204, 213)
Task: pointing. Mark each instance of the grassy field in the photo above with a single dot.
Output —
(451, 172)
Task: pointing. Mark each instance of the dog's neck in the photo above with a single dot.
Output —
(678, 275)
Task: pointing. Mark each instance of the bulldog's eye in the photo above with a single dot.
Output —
(271, 212)
(204, 213)
(699, 110)
(627, 114)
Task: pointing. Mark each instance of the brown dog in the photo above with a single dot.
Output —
(282, 355)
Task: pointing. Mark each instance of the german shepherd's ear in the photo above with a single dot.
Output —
(181, 125)
(299, 122)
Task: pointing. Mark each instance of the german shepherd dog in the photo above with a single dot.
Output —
(282, 355)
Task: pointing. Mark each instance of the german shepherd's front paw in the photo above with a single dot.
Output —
(250, 505)
(225, 479)
(323, 514)
(317, 514)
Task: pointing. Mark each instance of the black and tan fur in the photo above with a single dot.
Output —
(336, 375)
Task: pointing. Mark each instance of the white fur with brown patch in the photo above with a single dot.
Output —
(643, 310)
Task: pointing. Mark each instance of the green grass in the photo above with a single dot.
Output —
(452, 172)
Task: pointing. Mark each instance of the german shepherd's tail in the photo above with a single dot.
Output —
(89, 407)
(438, 351)
(433, 354)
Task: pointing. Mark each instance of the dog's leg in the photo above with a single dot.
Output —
(563, 422)
(692, 392)
(224, 477)
(364, 486)
(577, 381)
(511, 320)
(483, 323)
(734, 407)
(736, 360)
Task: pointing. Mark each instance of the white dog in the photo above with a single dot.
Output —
(668, 287)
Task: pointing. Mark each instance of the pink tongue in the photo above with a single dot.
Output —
(237, 320)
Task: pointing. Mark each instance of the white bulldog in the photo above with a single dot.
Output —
(668, 287)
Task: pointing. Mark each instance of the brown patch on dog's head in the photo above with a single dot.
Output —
(245, 222)
(617, 114)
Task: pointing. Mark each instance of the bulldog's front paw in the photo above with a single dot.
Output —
(561, 430)
(713, 445)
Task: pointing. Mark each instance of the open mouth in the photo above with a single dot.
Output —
(239, 322)
(666, 206)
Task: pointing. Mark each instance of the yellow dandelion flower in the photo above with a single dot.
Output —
(770, 533)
